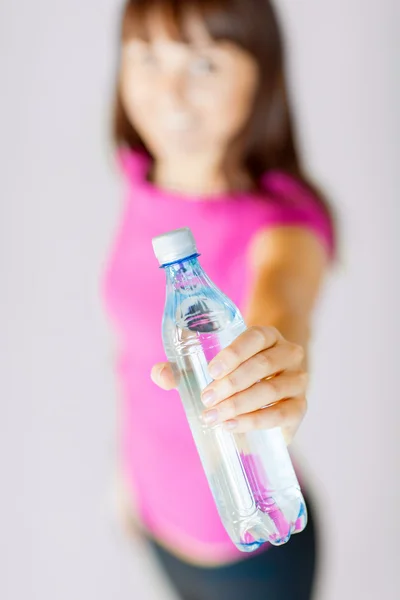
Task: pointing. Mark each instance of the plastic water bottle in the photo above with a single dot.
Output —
(250, 474)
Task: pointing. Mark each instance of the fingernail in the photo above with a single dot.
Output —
(208, 397)
(216, 369)
(229, 425)
(210, 417)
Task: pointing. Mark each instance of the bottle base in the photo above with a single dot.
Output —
(272, 528)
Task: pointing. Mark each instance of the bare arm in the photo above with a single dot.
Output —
(289, 264)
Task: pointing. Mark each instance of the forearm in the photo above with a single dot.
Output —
(289, 266)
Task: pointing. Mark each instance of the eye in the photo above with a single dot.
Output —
(140, 54)
(203, 66)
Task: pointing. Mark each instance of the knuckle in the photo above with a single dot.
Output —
(280, 413)
(264, 362)
(231, 382)
(273, 332)
(304, 378)
(261, 333)
(297, 353)
(230, 408)
(230, 356)
(272, 390)
(266, 419)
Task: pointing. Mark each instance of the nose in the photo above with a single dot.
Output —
(173, 89)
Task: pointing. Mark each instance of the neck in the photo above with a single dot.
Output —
(202, 176)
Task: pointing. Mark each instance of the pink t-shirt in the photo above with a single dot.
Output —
(158, 454)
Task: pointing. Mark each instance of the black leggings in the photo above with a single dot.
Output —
(280, 573)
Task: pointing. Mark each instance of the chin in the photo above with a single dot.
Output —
(183, 142)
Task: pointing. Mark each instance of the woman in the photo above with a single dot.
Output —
(205, 139)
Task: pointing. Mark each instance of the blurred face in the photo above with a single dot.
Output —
(186, 99)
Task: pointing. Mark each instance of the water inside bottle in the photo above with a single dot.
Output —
(250, 475)
(252, 508)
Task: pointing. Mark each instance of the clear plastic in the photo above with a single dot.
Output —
(250, 474)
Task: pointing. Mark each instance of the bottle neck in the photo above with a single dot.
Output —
(186, 275)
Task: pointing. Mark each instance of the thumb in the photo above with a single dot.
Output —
(163, 376)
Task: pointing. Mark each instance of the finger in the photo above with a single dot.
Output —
(284, 355)
(252, 341)
(264, 393)
(287, 414)
(163, 376)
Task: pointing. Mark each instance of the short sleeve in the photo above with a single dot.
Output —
(133, 165)
(293, 203)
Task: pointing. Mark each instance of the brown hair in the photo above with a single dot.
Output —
(268, 140)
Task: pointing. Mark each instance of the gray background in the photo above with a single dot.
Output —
(60, 196)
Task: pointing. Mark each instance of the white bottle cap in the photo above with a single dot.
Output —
(174, 245)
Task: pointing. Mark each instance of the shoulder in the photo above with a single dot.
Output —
(287, 248)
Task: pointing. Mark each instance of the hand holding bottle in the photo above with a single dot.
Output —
(258, 383)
